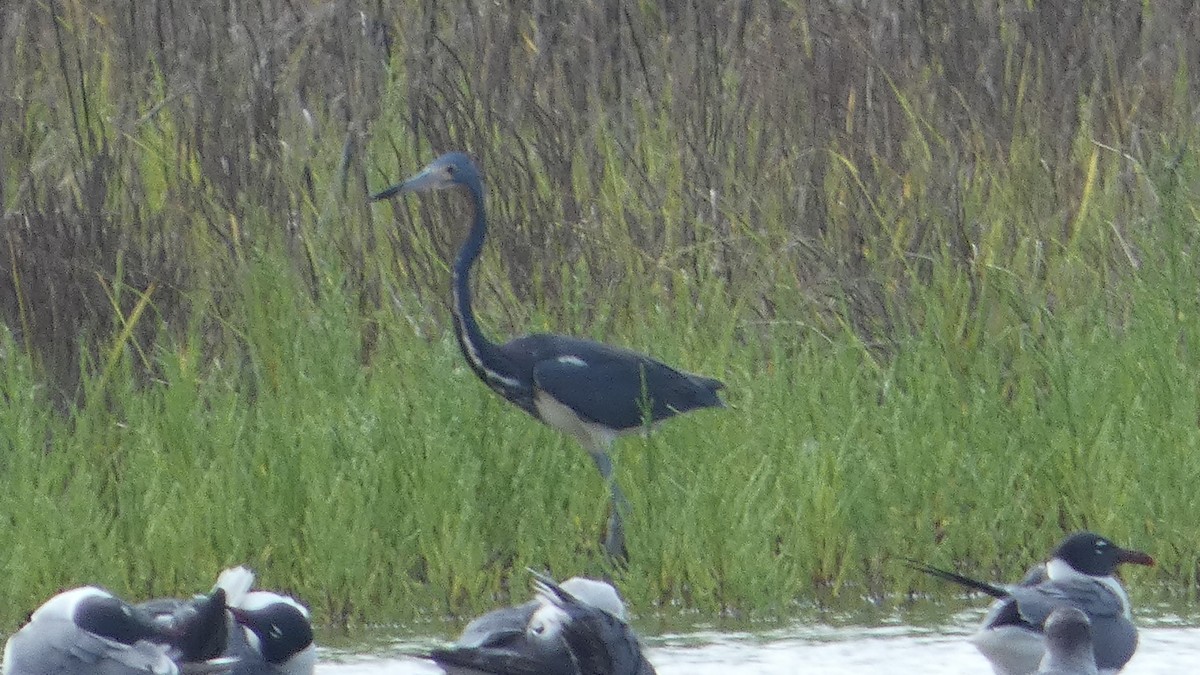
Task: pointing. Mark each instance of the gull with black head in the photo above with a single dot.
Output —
(90, 631)
(1080, 573)
(269, 634)
(577, 627)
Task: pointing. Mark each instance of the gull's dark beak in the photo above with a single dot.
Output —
(1126, 555)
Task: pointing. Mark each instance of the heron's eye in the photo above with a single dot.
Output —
(450, 171)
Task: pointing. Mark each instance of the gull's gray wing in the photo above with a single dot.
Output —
(562, 632)
(59, 646)
(471, 660)
(497, 625)
(596, 640)
(601, 643)
(1114, 637)
(1095, 599)
(496, 643)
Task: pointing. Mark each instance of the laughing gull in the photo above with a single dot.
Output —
(505, 627)
(569, 629)
(89, 631)
(1080, 573)
(1068, 643)
(271, 633)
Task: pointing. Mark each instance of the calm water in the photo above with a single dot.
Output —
(1170, 643)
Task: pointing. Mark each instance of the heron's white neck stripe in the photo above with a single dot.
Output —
(491, 375)
(472, 349)
(1061, 571)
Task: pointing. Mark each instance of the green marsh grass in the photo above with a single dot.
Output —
(951, 289)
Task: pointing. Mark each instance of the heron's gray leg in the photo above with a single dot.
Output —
(614, 538)
(604, 465)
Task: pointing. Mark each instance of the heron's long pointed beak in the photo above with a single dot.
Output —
(426, 180)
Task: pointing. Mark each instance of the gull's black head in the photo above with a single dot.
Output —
(1091, 554)
(200, 627)
(115, 619)
(283, 629)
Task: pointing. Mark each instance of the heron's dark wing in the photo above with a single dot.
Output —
(620, 390)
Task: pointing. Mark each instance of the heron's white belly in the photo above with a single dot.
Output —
(592, 436)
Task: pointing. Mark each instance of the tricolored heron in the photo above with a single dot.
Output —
(588, 390)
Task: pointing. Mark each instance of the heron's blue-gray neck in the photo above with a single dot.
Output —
(480, 352)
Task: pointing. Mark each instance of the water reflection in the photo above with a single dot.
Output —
(1170, 643)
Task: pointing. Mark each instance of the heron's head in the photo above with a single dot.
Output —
(449, 170)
